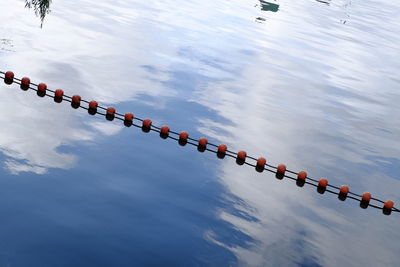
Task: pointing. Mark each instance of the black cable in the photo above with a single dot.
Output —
(192, 141)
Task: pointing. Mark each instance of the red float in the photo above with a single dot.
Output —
(9, 77)
(41, 89)
(146, 125)
(344, 189)
(93, 104)
(110, 113)
(281, 169)
(164, 132)
(222, 148)
(366, 196)
(76, 101)
(92, 110)
(387, 207)
(302, 176)
(203, 142)
(202, 145)
(241, 157)
(388, 204)
(260, 166)
(58, 95)
(183, 137)
(221, 151)
(323, 182)
(25, 83)
(128, 117)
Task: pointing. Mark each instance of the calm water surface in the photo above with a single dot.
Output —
(313, 84)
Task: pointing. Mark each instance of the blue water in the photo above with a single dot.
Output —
(312, 84)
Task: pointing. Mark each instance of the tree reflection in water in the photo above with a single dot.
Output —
(41, 7)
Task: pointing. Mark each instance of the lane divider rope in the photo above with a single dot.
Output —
(260, 164)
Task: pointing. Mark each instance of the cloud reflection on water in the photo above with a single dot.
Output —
(327, 116)
(61, 55)
(299, 89)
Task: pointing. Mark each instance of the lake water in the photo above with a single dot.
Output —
(312, 84)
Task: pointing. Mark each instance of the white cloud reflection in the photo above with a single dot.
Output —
(34, 131)
(106, 128)
(299, 89)
(37, 129)
(16, 167)
(330, 116)
(90, 52)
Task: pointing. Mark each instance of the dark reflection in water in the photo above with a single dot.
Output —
(327, 2)
(267, 6)
(41, 7)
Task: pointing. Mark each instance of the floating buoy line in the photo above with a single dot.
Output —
(260, 164)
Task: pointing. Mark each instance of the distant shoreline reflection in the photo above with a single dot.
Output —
(41, 7)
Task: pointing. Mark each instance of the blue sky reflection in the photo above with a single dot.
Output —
(298, 88)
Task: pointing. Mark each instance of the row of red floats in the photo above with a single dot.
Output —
(202, 142)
